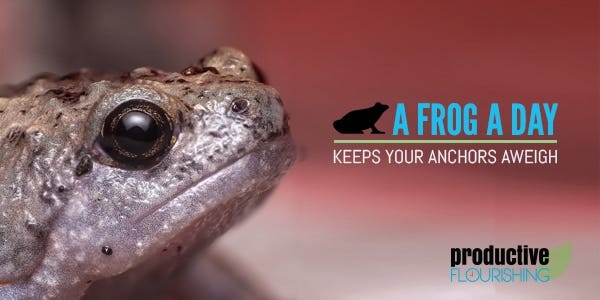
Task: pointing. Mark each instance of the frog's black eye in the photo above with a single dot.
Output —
(137, 133)
(240, 105)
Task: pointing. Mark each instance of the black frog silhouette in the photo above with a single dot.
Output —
(358, 120)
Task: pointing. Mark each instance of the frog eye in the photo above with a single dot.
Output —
(240, 105)
(137, 133)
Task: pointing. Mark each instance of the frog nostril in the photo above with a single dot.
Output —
(107, 250)
(240, 105)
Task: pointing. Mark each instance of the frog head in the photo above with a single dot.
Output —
(159, 165)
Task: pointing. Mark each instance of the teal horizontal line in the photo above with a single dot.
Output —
(445, 141)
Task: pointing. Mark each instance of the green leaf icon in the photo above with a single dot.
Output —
(559, 260)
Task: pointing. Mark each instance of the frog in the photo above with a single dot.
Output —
(112, 183)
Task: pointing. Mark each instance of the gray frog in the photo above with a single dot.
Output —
(110, 184)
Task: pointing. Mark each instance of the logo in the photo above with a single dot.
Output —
(362, 119)
(433, 133)
(518, 264)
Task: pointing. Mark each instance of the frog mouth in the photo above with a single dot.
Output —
(258, 169)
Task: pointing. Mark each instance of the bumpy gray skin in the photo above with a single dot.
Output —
(62, 199)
